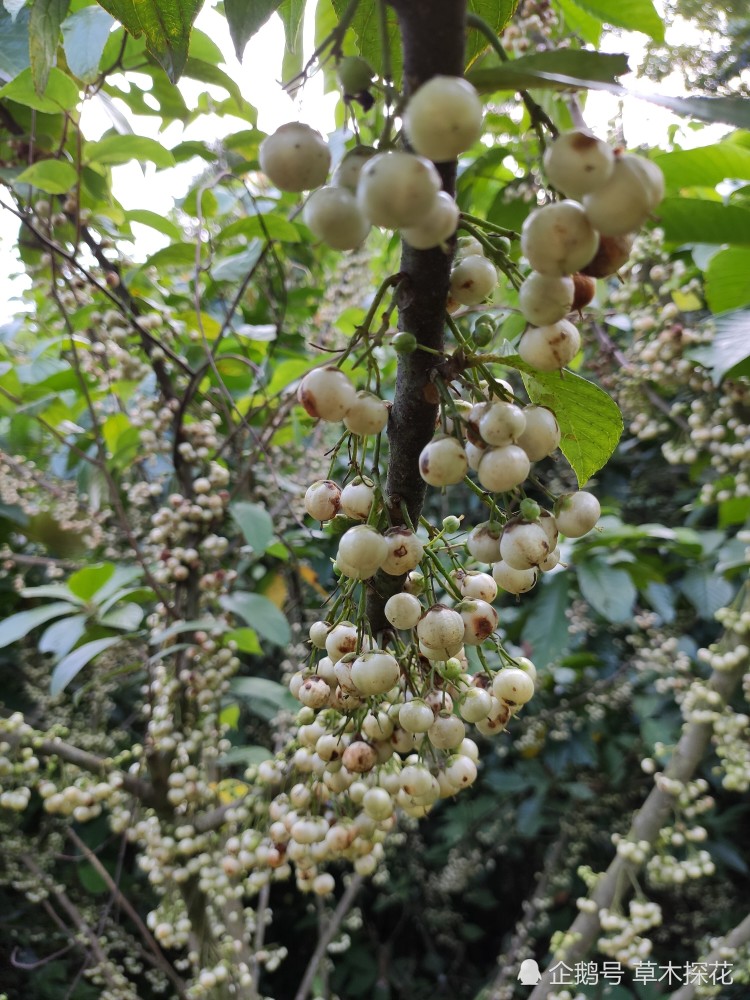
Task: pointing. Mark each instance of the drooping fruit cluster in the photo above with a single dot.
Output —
(391, 188)
(569, 243)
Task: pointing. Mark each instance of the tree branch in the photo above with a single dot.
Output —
(653, 814)
(326, 936)
(736, 938)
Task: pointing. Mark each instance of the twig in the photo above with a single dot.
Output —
(326, 936)
(124, 902)
(736, 938)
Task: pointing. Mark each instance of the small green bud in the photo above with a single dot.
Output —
(530, 510)
(451, 524)
(404, 343)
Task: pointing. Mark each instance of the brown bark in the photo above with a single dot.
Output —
(433, 36)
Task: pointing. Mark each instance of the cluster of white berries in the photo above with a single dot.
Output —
(394, 189)
(623, 935)
(569, 243)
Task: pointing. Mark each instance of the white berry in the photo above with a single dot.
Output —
(577, 513)
(443, 462)
(326, 393)
(559, 239)
(443, 118)
(545, 298)
(472, 280)
(550, 348)
(577, 163)
(397, 189)
(295, 157)
(333, 215)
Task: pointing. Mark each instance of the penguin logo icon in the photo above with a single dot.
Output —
(529, 974)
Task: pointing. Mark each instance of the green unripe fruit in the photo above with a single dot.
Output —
(404, 343)
(530, 509)
(355, 74)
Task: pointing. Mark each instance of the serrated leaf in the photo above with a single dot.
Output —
(60, 637)
(44, 33)
(261, 614)
(255, 523)
(728, 279)
(17, 626)
(554, 68)
(698, 220)
(263, 696)
(244, 19)
(495, 13)
(85, 582)
(85, 33)
(608, 589)
(730, 345)
(71, 665)
(51, 176)
(61, 93)
(590, 421)
(117, 149)
(635, 15)
(165, 24)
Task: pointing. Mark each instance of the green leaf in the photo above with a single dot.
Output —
(580, 21)
(85, 33)
(495, 13)
(230, 715)
(554, 68)
(115, 149)
(52, 176)
(60, 637)
(635, 15)
(697, 220)
(165, 24)
(546, 628)
(271, 227)
(590, 422)
(177, 253)
(207, 624)
(244, 19)
(155, 221)
(292, 13)
(72, 664)
(608, 589)
(245, 755)
(255, 523)
(706, 591)
(61, 92)
(705, 166)
(44, 33)
(17, 626)
(127, 617)
(264, 697)
(246, 639)
(85, 582)
(112, 589)
(729, 347)
(14, 43)
(261, 613)
(366, 30)
(728, 280)
(236, 267)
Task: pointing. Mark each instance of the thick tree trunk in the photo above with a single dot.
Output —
(433, 37)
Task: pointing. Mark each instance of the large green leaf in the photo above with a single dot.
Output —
(165, 24)
(698, 220)
(554, 68)
(115, 149)
(705, 166)
(126, 617)
(728, 280)
(61, 93)
(261, 613)
(44, 34)
(590, 421)
(255, 523)
(635, 15)
(244, 19)
(365, 27)
(581, 22)
(72, 664)
(608, 589)
(292, 13)
(14, 43)
(60, 637)
(51, 176)
(706, 591)
(17, 626)
(85, 33)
